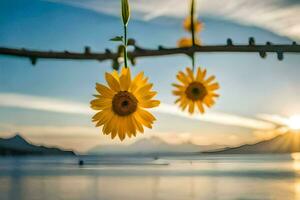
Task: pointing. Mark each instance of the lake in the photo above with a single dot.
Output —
(208, 177)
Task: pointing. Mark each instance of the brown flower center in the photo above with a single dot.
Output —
(124, 103)
(196, 91)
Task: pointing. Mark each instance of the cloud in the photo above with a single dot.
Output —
(61, 106)
(278, 16)
(42, 103)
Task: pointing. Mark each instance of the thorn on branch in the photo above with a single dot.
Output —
(160, 47)
(87, 50)
(137, 48)
(131, 42)
(115, 64)
(251, 41)
(229, 42)
(33, 60)
(280, 56)
(107, 51)
(263, 54)
(132, 60)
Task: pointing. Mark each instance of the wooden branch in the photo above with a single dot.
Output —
(161, 51)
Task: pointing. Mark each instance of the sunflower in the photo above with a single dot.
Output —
(121, 105)
(196, 90)
(187, 42)
(187, 25)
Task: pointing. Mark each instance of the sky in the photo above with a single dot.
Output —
(49, 103)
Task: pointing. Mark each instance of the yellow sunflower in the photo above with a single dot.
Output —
(187, 25)
(121, 106)
(195, 90)
(187, 42)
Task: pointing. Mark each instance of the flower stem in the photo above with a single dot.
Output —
(193, 62)
(125, 46)
(192, 15)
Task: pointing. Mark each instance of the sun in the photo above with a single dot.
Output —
(294, 122)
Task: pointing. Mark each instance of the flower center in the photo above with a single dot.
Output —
(124, 103)
(196, 91)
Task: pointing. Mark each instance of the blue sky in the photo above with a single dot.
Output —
(249, 85)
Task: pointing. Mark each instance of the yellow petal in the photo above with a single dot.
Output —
(131, 126)
(191, 107)
(199, 75)
(101, 104)
(200, 107)
(104, 91)
(144, 117)
(125, 79)
(143, 90)
(178, 93)
(137, 82)
(210, 79)
(137, 124)
(112, 82)
(213, 86)
(183, 78)
(115, 74)
(121, 132)
(203, 74)
(184, 103)
(190, 74)
(149, 103)
(148, 96)
(105, 117)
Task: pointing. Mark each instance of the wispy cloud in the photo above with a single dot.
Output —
(61, 106)
(42, 103)
(278, 16)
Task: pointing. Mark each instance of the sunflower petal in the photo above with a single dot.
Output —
(200, 107)
(191, 107)
(145, 117)
(101, 104)
(149, 103)
(125, 79)
(112, 82)
(104, 91)
(210, 79)
(190, 74)
(213, 86)
(137, 124)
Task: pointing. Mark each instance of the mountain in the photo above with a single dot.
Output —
(286, 143)
(153, 145)
(19, 146)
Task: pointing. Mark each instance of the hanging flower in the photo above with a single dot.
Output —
(187, 25)
(187, 42)
(196, 90)
(121, 106)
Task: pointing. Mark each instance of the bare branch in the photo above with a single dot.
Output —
(161, 51)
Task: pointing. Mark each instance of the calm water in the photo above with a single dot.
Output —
(251, 177)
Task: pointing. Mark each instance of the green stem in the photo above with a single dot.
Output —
(193, 62)
(192, 21)
(125, 46)
(192, 15)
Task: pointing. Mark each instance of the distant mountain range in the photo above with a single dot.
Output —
(19, 146)
(153, 145)
(286, 143)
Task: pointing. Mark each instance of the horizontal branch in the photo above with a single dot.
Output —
(161, 51)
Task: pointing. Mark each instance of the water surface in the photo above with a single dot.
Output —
(209, 177)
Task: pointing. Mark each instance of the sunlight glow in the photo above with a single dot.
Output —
(294, 122)
(14, 100)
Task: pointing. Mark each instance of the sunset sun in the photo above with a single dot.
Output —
(294, 122)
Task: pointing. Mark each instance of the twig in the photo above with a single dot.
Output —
(161, 51)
